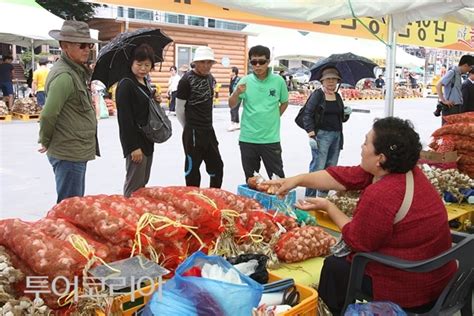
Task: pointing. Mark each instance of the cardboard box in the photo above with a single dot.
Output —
(450, 156)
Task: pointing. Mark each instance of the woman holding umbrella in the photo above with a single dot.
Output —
(322, 119)
(132, 110)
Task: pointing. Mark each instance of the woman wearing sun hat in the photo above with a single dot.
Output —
(323, 118)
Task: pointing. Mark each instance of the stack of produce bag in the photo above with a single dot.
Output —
(457, 134)
(165, 224)
(25, 106)
(3, 108)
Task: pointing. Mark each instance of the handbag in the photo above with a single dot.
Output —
(158, 126)
(300, 115)
(341, 249)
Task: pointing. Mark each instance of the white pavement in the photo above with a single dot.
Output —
(27, 188)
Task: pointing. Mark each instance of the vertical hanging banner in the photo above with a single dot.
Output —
(435, 34)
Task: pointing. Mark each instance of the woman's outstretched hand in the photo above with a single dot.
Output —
(313, 204)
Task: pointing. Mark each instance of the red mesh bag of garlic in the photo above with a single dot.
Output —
(228, 200)
(249, 219)
(43, 254)
(61, 229)
(303, 243)
(162, 209)
(289, 223)
(96, 217)
(45, 284)
(190, 202)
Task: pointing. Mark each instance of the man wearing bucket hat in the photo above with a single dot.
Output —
(68, 125)
(194, 101)
(323, 116)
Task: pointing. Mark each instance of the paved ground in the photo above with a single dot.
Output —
(27, 183)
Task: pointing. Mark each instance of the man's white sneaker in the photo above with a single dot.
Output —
(233, 127)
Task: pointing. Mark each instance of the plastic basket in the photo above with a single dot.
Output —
(268, 201)
(308, 305)
(324, 220)
(463, 213)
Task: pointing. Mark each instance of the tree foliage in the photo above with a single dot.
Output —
(70, 9)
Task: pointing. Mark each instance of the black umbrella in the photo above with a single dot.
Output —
(351, 67)
(113, 62)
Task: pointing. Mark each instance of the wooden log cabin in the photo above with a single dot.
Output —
(227, 45)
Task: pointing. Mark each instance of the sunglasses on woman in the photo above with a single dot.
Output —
(85, 45)
(261, 62)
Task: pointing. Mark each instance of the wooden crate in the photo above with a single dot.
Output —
(5, 118)
(26, 117)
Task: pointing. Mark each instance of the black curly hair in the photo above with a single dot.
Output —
(398, 141)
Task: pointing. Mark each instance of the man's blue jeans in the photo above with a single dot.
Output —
(70, 177)
(325, 153)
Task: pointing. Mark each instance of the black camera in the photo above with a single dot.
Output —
(439, 108)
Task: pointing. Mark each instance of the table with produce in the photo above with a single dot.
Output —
(219, 252)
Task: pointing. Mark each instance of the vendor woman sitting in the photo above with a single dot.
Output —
(391, 149)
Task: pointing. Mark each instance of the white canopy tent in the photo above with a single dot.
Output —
(26, 23)
(293, 45)
(333, 44)
(397, 13)
(284, 43)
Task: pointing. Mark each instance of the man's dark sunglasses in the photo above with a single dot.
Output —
(261, 62)
(85, 45)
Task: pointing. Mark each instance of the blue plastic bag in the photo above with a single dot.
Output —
(190, 295)
(374, 309)
(448, 197)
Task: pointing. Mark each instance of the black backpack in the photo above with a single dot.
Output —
(158, 126)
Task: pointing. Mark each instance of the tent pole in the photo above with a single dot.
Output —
(33, 54)
(390, 69)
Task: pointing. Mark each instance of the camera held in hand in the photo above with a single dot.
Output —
(439, 108)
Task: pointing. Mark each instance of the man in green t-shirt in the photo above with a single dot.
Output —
(264, 96)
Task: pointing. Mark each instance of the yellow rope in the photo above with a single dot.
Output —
(204, 198)
(151, 220)
(256, 238)
(141, 224)
(154, 256)
(68, 298)
(87, 251)
(230, 213)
